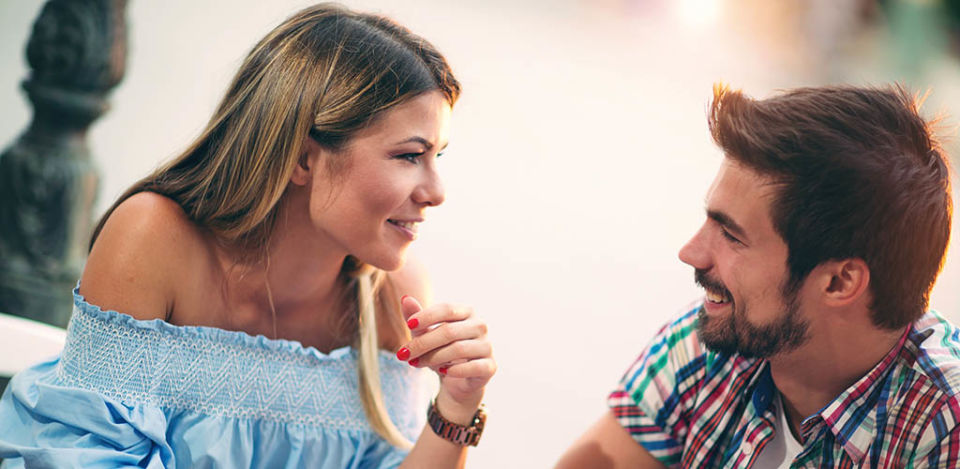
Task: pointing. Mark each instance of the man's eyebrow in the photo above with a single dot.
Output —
(724, 220)
(426, 143)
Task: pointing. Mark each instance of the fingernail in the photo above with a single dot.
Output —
(403, 354)
(403, 298)
(414, 361)
(413, 323)
(443, 370)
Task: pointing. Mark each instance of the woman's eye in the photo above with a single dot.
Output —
(410, 157)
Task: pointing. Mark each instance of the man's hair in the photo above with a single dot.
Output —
(859, 175)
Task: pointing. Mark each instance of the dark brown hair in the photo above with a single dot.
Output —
(860, 175)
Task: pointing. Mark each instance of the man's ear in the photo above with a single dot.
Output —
(303, 171)
(844, 281)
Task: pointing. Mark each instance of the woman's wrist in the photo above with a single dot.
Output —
(460, 412)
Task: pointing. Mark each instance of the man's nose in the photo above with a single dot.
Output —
(695, 252)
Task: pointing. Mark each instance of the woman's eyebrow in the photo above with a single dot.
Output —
(426, 143)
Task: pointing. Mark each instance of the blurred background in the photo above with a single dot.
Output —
(578, 162)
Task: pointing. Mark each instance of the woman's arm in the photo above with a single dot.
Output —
(459, 350)
(453, 341)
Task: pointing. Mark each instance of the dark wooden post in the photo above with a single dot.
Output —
(48, 182)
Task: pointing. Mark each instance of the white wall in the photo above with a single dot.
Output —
(578, 164)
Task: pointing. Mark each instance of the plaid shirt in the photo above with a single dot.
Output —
(691, 407)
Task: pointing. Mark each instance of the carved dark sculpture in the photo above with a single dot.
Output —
(48, 182)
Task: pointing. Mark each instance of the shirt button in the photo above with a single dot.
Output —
(747, 448)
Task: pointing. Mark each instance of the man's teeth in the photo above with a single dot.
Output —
(716, 298)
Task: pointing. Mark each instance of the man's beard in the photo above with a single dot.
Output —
(734, 333)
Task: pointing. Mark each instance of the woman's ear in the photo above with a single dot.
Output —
(303, 171)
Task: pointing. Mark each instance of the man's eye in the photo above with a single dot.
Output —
(730, 237)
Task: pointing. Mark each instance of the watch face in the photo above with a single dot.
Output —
(480, 419)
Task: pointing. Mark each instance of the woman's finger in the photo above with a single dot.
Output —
(410, 306)
(456, 352)
(482, 369)
(424, 319)
(444, 334)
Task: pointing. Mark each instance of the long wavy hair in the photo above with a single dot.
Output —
(324, 73)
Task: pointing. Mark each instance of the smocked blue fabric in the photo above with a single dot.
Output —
(131, 393)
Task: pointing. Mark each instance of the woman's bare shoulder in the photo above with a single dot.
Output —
(146, 249)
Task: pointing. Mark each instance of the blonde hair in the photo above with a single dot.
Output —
(324, 73)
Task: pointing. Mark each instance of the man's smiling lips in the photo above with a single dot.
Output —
(715, 302)
(716, 296)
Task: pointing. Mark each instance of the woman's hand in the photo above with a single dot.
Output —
(452, 341)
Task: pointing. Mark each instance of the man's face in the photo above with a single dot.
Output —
(741, 262)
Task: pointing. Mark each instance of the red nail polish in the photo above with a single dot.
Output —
(443, 370)
(413, 323)
(403, 354)
(414, 362)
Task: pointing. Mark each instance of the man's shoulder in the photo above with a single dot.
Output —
(935, 352)
(682, 327)
(681, 335)
(677, 386)
(678, 337)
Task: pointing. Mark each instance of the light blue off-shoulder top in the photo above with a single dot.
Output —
(131, 393)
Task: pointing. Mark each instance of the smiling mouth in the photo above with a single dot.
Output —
(410, 228)
(715, 293)
(717, 298)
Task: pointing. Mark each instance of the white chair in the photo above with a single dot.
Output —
(24, 342)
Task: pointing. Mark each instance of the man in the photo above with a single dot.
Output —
(826, 227)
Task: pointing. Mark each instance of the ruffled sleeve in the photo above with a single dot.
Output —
(45, 424)
(382, 455)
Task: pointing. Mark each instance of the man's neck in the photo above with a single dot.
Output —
(836, 357)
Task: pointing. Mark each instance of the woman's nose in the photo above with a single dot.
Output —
(431, 191)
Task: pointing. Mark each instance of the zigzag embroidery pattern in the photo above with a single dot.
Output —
(128, 361)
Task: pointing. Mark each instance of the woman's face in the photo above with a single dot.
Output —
(373, 207)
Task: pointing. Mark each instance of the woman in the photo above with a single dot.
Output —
(236, 303)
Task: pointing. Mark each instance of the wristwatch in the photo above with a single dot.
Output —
(459, 434)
